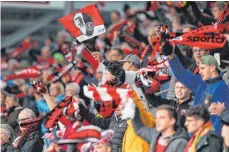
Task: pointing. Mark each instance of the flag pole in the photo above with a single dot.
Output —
(84, 46)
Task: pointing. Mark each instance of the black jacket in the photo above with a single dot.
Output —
(33, 143)
(113, 122)
(180, 108)
(210, 143)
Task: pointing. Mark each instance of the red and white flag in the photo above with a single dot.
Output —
(84, 23)
(106, 93)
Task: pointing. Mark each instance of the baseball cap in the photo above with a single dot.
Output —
(133, 59)
(209, 60)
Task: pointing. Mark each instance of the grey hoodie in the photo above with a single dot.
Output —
(176, 143)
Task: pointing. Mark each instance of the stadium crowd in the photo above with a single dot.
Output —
(54, 98)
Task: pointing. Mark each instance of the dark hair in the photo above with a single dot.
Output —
(120, 51)
(198, 111)
(117, 12)
(126, 7)
(170, 109)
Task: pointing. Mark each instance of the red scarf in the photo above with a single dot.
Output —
(201, 38)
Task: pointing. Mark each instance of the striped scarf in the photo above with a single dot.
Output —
(118, 95)
(194, 140)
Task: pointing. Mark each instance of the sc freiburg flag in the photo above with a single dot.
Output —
(84, 23)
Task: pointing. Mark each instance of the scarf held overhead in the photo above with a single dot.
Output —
(103, 94)
(207, 37)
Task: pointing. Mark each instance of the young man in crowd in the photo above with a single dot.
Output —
(165, 137)
(203, 137)
(181, 104)
(207, 87)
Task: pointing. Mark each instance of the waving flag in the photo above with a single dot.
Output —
(84, 23)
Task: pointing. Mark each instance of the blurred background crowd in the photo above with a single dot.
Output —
(180, 93)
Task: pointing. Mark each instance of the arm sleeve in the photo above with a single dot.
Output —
(42, 106)
(186, 61)
(91, 118)
(157, 101)
(141, 130)
(186, 77)
(146, 117)
(181, 145)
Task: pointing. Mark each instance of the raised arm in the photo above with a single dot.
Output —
(91, 118)
(186, 77)
(146, 117)
(141, 130)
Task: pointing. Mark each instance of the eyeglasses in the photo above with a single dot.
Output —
(21, 120)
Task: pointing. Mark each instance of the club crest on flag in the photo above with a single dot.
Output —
(84, 24)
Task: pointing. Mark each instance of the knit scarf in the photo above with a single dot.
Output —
(118, 95)
(205, 129)
(30, 72)
(207, 37)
